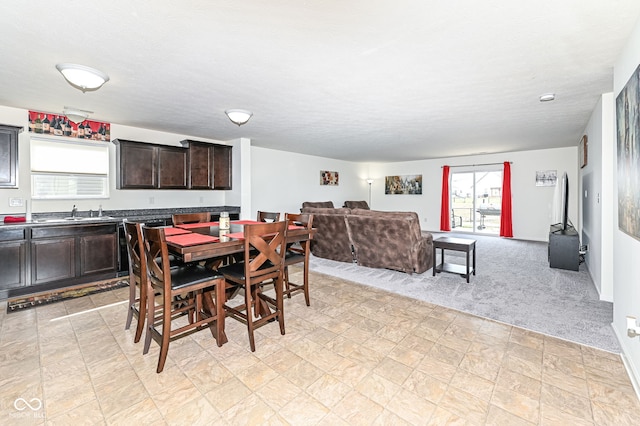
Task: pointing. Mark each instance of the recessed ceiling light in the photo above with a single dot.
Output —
(547, 97)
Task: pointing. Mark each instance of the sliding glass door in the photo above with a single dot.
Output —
(476, 200)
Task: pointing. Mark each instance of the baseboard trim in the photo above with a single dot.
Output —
(629, 366)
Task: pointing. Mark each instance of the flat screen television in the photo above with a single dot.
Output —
(564, 212)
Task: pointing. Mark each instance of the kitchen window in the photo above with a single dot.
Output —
(62, 169)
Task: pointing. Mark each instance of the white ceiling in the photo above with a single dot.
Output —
(363, 80)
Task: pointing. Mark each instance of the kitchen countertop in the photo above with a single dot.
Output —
(111, 216)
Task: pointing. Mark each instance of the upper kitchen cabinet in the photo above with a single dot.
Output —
(172, 167)
(221, 167)
(137, 165)
(194, 165)
(9, 156)
(200, 165)
(209, 165)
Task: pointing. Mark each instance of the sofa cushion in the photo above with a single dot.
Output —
(356, 205)
(327, 204)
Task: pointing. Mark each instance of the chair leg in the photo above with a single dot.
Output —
(166, 333)
(305, 281)
(151, 310)
(248, 295)
(142, 314)
(220, 312)
(280, 303)
(286, 281)
(132, 302)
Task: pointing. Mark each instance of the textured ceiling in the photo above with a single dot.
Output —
(363, 80)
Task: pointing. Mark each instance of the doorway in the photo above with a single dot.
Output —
(476, 201)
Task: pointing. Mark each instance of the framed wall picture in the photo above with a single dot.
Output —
(583, 151)
(407, 184)
(328, 177)
(628, 126)
(546, 178)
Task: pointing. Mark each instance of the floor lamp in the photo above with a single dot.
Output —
(369, 181)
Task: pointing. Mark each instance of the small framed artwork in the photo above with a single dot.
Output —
(328, 178)
(546, 178)
(583, 151)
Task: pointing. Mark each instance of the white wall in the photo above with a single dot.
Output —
(532, 205)
(299, 176)
(118, 199)
(281, 181)
(626, 249)
(596, 203)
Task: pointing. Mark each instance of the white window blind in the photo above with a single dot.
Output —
(69, 169)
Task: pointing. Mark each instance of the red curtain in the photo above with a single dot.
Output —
(506, 226)
(445, 215)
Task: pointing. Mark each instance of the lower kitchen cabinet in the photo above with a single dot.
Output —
(13, 260)
(73, 253)
(53, 260)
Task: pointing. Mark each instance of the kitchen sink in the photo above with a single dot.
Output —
(73, 219)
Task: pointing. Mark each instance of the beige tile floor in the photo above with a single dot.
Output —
(357, 356)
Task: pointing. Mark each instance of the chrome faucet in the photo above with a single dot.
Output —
(100, 211)
(74, 211)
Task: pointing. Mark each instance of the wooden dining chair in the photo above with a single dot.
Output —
(268, 216)
(185, 218)
(268, 240)
(182, 289)
(298, 253)
(137, 276)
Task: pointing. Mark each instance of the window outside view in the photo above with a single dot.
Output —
(476, 201)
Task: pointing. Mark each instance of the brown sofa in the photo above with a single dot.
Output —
(372, 238)
(356, 205)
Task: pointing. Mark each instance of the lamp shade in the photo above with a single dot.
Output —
(238, 116)
(83, 77)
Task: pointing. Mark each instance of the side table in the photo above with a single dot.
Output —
(455, 244)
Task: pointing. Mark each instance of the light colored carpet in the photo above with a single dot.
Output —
(513, 284)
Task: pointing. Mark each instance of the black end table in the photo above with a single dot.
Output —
(456, 244)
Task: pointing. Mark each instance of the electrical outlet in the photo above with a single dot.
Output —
(201, 200)
(152, 200)
(16, 202)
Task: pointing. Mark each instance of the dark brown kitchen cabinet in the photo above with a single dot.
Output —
(9, 156)
(144, 165)
(172, 167)
(222, 167)
(13, 260)
(209, 165)
(73, 254)
(137, 165)
(200, 165)
(53, 260)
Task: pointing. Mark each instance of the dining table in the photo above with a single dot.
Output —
(196, 242)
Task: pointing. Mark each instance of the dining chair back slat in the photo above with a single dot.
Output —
(186, 218)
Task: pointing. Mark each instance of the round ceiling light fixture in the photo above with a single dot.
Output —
(547, 97)
(238, 116)
(82, 77)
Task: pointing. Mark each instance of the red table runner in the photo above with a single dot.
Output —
(191, 239)
(175, 231)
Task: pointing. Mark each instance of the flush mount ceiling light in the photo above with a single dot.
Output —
(238, 116)
(76, 115)
(547, 97)
(83, 77)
